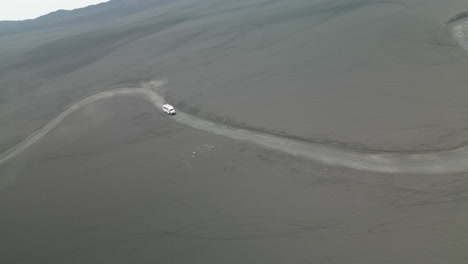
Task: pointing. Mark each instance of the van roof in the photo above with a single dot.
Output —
(168, 106)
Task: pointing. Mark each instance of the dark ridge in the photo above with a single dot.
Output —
(458, 16)
(70, 53)
(96, 14)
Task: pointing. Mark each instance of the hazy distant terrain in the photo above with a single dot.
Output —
(119, 182)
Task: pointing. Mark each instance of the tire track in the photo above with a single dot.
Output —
(437, 162)
(450, 161)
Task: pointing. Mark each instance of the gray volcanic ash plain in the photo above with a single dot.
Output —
(116, 181)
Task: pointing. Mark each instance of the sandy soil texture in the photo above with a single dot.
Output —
(435, 162)
(117, 182)
(376, 75)
(92, 172)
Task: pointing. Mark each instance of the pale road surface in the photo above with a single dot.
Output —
(450, 161)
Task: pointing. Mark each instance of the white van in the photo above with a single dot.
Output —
(167, 108)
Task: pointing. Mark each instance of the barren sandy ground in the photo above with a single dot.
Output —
(367, 74)
(117, 181)
(429, 162)
(133, 186)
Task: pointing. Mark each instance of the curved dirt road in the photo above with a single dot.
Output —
(449, 161)
(427, 163)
